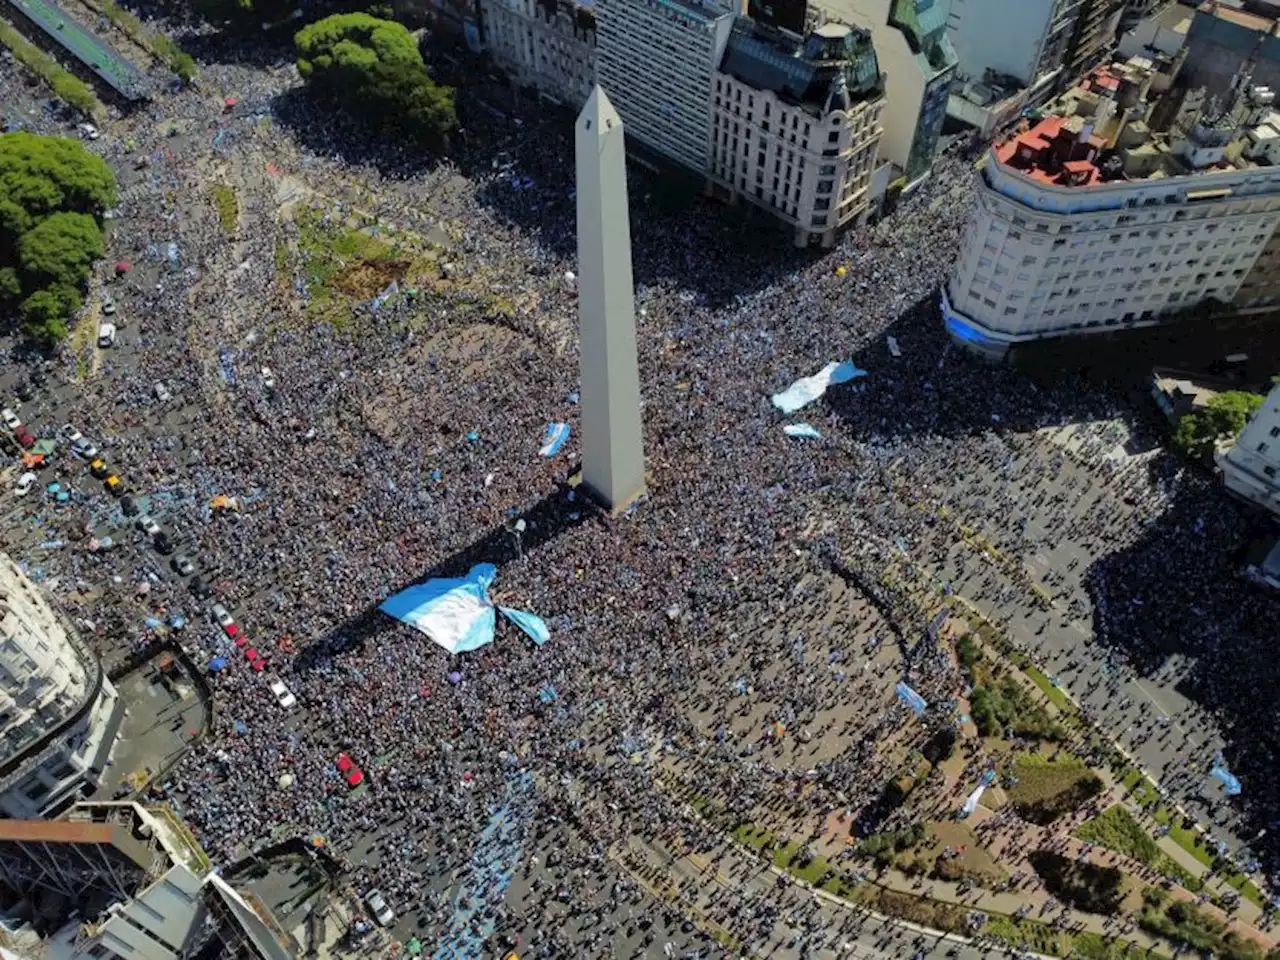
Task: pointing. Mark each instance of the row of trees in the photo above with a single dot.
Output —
(52, 195)
(372, 69)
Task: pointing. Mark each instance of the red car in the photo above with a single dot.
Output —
(25, 437)
(347, 767)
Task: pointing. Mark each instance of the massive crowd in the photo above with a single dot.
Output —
(402, 445)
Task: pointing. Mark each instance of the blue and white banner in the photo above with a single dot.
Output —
(1229, 780)
(802, 431)
(807, 389)
(457, 614)
(555, 437)
(531, 624)
(911, 698)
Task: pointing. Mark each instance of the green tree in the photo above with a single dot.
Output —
(45, 313)
(373, 69)
(59, 250)
(1223, 418)
(52, 195)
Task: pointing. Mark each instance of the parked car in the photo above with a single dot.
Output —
(350, 772)
(147, 525)
(284, 696)
(199, 589)
(182, 566)
(25, 437)
(164, 543)
(378, 907)
(84, 449)
(228, 625)
(98, 468)
(11, 419)
(268, 379)
(107, 335)
(114, 485)
(108, 306)
(69, 433)
(25, 483)
(129, 506)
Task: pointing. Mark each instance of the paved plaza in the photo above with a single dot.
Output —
(695, 762)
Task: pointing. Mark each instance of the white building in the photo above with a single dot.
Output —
(916, 57)
(120, 880)
(655, 60)
(796, 124)
(547, 45)
(1087, 224)
(59, 714)
(1251, 468)
(1027, 40)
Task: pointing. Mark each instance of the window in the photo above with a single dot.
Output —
(824, 186)
(822, 203)
(833, 136)
(827, 170)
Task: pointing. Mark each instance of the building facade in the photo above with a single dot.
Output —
(1027, 40)
(1091, 223)
(796, 125)
(546, 45)
(1097, 28)
(919, 64)
(59, 714)
(1251, 468)
(655, 60)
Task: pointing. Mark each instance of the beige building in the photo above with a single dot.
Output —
(1251, 468)
(1089, 221)
(59, 714)
(796, 125)
(547, 45)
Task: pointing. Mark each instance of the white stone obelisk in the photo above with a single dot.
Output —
(612, 444)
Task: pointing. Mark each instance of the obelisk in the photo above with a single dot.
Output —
(612, 444)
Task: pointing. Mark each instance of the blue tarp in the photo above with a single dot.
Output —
(802, 431)
(217, 663)
(911, 698)
(553, 439)
(808, 389)
(457, 614)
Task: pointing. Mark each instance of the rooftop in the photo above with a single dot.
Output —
(1240, 18)
(832, 67)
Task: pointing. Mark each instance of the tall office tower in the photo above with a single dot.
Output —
(612, 443)
(656, 58)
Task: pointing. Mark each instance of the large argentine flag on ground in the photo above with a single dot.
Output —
(457, 614)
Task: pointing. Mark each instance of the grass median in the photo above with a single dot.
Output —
(67, 87)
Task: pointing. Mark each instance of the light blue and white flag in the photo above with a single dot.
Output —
(807, 389)
(530, 623)
(555, 437)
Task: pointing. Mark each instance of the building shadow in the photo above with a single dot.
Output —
(554, 515)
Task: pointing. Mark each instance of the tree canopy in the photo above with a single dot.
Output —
(1222, 419)
(373, 69)
(52, 195)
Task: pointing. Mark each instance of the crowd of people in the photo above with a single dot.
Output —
(404, 444)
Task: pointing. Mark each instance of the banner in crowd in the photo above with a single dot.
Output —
(911, 698)
(808, 389)
(457, 614)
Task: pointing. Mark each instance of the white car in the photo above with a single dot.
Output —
(25, 483)
(107, 335)
(10, 419)
(162, 392)
(88, 131)
(221, 615)
(84, 449)
(70, 434)
(283, 695)
(378, 907)
(108, 306)
(147, 525)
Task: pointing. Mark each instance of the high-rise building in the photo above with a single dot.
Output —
(1251, 467)
(1097, 27)
(911, 44)
(655, 59)
(1024, 40)
(546, 45)
(120, 881)
(796, 124)
(59, 714)
(1087, 221)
